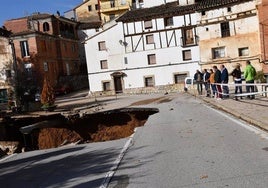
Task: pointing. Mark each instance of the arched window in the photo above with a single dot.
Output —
(45, 26)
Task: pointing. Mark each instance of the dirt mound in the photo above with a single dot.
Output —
(54, 137)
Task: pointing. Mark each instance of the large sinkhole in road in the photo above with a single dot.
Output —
(97, 127)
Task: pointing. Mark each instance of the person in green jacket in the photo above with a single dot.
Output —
(249, 75)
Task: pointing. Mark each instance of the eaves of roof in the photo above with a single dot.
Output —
(89, 25)
(212, 4)
(34, 16)
(165, 10)
(174, 9)
(29, 32)
(44, 16)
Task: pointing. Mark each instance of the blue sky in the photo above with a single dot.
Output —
(10, 9)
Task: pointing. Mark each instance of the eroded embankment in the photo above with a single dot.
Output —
(57, 130)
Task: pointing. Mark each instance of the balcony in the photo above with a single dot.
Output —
(111, 6)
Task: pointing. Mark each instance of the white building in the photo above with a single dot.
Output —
(229, 33)
(146, 50)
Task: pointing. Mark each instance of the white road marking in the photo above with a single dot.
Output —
(7, 157)
(116, 163)
(242, 123)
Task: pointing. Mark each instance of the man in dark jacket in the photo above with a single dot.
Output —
(206, 76)
(236, 73)
(217, 78)
(224, 80)
(198, 77)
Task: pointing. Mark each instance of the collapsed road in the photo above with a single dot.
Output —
(50, 131)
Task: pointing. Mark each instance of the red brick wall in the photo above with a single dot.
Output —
(52, 49)
(263, 18)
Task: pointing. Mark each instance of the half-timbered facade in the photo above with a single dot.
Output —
(147, 50)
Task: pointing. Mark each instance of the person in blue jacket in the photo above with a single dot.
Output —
(224, 80)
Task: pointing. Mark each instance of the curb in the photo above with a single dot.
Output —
(245, 118)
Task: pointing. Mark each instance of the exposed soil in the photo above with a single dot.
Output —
(93, 128)
(96, 127)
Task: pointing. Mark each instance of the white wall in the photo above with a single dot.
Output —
(169, 60)
(244, 32)
(5, 57)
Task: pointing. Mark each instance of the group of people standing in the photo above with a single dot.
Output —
(216, 80)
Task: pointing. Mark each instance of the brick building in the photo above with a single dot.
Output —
(263, 24)
(45, 45)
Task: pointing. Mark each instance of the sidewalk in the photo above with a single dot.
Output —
(254, 111)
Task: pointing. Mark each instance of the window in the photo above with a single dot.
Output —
(218, 52)
(104, 64)
(28, 69)
(106, 86)
(73, 47)
(45, 26)
(125, 60)
(102, 46)
(168, 21)
(225, 29)
(8, 73)
(229, 9)
(68, 69)
(97, 7)
(112, 16)
(203, 13)
(151, 59)
(186, 55)
(24, 48)
(112, 3)
(3, 96)
(149, 39)
(179, 78)
(187, 36)
(149, 81)
(45, 66)
(243, 51)
(148, 24)
(89, 8)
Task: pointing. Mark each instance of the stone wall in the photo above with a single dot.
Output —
(145, 90)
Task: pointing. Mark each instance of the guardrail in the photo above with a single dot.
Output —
(260, 88)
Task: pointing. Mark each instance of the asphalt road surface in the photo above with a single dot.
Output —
(186, 145)
(189, 145)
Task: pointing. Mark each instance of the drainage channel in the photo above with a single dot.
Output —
(57, 130)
